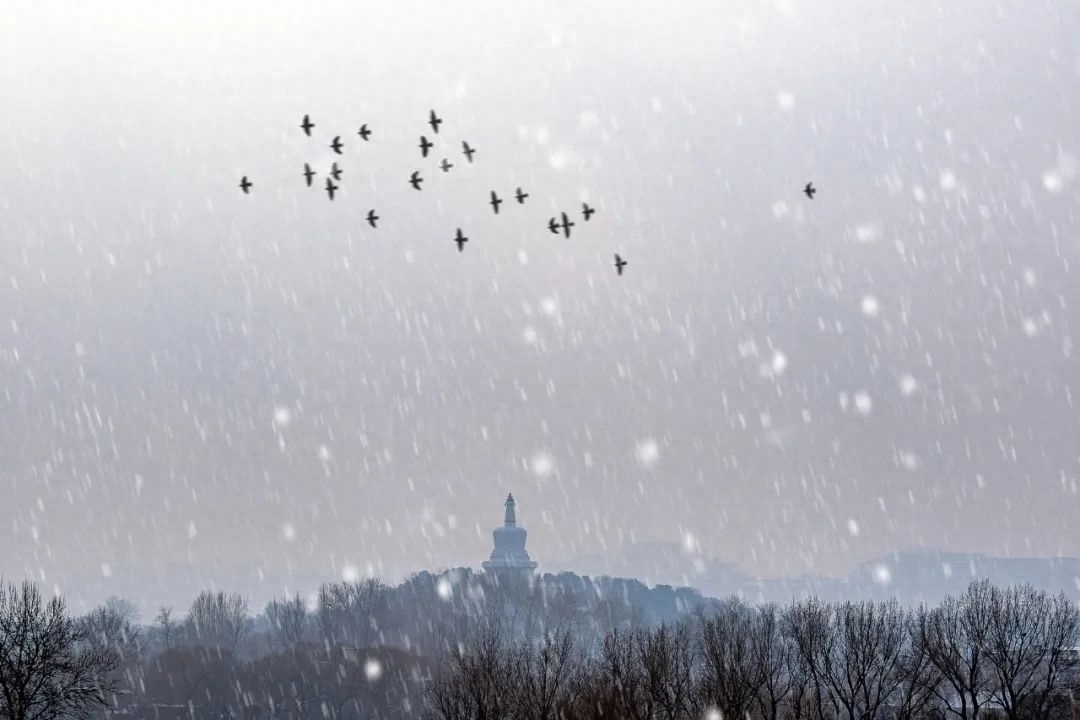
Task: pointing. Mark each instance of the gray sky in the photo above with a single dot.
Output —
(258, 393)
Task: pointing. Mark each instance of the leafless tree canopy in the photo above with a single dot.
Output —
(166, 631)
(522, 651)
(219, 619)
(50, 665)
(347, 611)
(992, 653)
(288, 618)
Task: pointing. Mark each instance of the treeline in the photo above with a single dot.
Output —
(463, 646)
(359, 649)
(1009, 653)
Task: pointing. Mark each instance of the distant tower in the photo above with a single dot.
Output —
(509, 558)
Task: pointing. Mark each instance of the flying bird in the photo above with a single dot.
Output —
(619, 263)
(364, 133)
(553, 226)
(460, 240)
(521, 196)
(467, 151)
(446, 165)
(810, 190)
(415, 180)
(566, 225)
(372, 218)
(330, 188)
(307, 125)
(245, 184)
(424, 146)
(336, 145)
(435, 121)
(587, 211)
(335, 172)
(308, 173)
(495, 202)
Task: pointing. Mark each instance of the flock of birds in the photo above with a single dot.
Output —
(562, 225)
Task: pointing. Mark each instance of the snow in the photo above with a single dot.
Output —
(779, 363)
(543, 464)
(282, 416)
(690, 543)
(867, 232)
(648, 452)
(870, 306)
(908, 460)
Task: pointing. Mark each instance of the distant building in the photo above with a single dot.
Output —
(509, 559)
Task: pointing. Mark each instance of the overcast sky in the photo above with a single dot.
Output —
(258, 393)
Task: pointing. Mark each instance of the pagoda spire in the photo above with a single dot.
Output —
(511, 516)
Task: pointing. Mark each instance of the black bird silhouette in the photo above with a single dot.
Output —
(245, 184)
(553, 226)
(336, 145)
(460, 240)
(521, 196)
(495, 202)
(468, 151)
(810, 190)
(372, 218)
(619, 264)
(330, 188)
(587, 211)
(435, 121)
(364, 133)
(566, 225)
(415, 180)
(335, 172)
(307, 125)
(446, 165)
(308, 173)
(424, 146)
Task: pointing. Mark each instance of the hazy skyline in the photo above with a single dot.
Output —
(261, 389)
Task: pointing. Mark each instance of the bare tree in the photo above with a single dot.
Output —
(779, 672)
(666, 657)
(918, 693)
(48, 666)
(853, 654)
(219, 619)
(114, 625)
(953, 636)
(476, 680)
(733, 671)
(288, 619)
(166, 630)
(544, 677)
(620, 671)
(1027, 647)
(348, 612)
